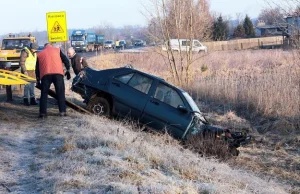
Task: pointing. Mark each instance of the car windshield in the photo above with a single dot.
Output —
(9, 44)
(78, 38)
(191, 102)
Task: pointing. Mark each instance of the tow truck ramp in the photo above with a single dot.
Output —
(9, 78)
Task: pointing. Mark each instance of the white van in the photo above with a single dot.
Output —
(184, 45)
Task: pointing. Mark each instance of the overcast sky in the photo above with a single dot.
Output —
(30, 15)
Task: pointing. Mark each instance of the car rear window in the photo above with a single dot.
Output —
(141, 83)
(124, 78)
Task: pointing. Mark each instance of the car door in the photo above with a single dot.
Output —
(130, 93)
(185, 45)
(162, 111)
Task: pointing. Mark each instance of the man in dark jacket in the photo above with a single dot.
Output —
(28, 60)
(78, 62)
(49, 69)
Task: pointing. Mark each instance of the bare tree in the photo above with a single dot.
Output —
(240, 18)
(179, 19)
(271, 16)
(290, 9)
(107, 29)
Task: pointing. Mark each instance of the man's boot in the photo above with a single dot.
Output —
(32, 101)
(26, 102)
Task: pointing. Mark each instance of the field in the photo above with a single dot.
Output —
(253, 90)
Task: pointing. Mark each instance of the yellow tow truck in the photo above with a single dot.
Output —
(11, 50)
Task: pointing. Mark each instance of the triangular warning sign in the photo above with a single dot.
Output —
(57, 28)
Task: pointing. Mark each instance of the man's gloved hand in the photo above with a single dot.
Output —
(68, 75)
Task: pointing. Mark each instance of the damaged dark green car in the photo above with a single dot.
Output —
(127, 92)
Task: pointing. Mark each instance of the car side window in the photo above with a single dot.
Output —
(185, 43)
(141, 83)
(124, 78)
(196, 43)
(168, 95)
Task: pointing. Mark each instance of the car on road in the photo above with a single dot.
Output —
(139, 43)
(134, 94)
(184, 45)
(109, 44)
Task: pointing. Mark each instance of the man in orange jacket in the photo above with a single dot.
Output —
(49, 69)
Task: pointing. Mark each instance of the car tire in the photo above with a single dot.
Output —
(99, 106)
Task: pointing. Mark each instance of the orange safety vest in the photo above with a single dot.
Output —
(50, 61)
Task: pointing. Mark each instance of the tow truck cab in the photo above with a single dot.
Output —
(11, 50)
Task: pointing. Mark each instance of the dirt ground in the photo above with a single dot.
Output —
(25, 143)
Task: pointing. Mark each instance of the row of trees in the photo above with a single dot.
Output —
(220, 30)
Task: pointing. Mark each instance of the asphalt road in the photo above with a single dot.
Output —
(130, 49)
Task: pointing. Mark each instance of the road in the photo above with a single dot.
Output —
(131, 49)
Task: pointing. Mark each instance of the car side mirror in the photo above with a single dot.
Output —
(182, 108)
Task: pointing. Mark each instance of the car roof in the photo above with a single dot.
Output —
(150, 75)
(127, 69)
(155, 77)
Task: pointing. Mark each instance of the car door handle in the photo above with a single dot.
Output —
(116, 84)
(154, 102)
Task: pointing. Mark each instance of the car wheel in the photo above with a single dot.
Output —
(99, 106)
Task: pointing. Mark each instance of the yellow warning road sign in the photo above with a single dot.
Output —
(57, 26)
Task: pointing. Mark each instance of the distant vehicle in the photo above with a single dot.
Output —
(139, 43)
(10, 50)
(184, 45)
(109, 44)
(127, 92)
(121, 44)
(99, 41)
(84, 41)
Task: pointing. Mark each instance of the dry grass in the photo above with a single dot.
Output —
(94, 155)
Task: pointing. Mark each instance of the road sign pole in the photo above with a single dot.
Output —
(65, 44)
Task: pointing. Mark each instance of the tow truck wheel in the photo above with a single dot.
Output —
(99, 106)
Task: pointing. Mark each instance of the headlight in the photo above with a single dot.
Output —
(2, 59)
